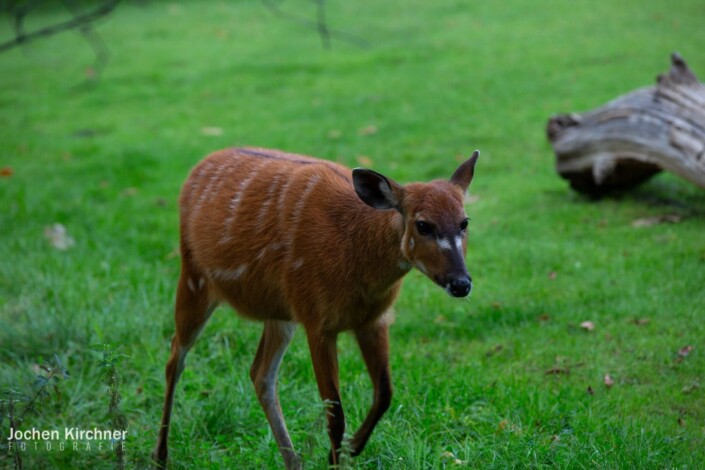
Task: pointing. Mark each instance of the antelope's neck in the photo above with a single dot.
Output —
(377, 236)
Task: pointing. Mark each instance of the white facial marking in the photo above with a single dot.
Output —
(411, 243)
(420, 266)
(191, 285)
(459, 243)
(201, 282)
(443, 244)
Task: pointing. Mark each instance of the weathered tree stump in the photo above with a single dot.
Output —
(628, 140)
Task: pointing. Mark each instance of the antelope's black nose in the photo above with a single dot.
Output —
(460, 286)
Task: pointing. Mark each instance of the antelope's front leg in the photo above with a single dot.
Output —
(374, 345)
(325, 366)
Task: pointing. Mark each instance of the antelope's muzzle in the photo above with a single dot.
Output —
(459, 286)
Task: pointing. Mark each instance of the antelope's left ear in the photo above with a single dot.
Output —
(376, 190)
(463, 175)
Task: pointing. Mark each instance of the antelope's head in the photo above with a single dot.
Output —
(435, 222)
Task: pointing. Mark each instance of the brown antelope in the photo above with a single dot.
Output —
(288, 239)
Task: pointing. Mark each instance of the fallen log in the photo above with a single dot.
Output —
(629, 139)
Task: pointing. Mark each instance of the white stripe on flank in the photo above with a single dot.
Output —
(283, 193)
(235, 201)
(228, 274)
(296, 214)
(206, 189)
(262, 218)
(304, 196)
(297, 264)
(298, 208)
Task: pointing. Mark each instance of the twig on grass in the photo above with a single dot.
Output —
(16, 454)
(113, 380)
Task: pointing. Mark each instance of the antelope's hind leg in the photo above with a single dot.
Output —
(192, 310)
(272, 346)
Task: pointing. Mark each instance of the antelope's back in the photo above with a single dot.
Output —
(243, 212)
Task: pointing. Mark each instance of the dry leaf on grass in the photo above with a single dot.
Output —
(364, 161)
(494, 350)
(212, 131)
(129, 192)
(657, 219)
(608, 381)
(471, 198)
(587, 326)
(685, 351)
(558, 371)
(688, 389)
(6, 172)
(453, 458)
(58, 237)
(368, 130)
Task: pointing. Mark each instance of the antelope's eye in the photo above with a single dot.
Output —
(424, 228)
(464, 225)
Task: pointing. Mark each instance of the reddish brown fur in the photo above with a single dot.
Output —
(286, 238)
(273, 286)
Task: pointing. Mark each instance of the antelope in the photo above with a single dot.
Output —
(292, 240)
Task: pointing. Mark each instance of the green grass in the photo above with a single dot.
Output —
(438, 80)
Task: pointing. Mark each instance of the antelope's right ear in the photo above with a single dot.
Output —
(463, 175)
(376, 190)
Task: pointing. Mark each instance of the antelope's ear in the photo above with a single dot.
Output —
(463, 175)
(376, 190)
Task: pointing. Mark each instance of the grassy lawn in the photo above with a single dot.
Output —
(507, 379)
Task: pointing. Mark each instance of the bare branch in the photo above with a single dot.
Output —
(102, 53)
(78, 21)
(320, 25)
